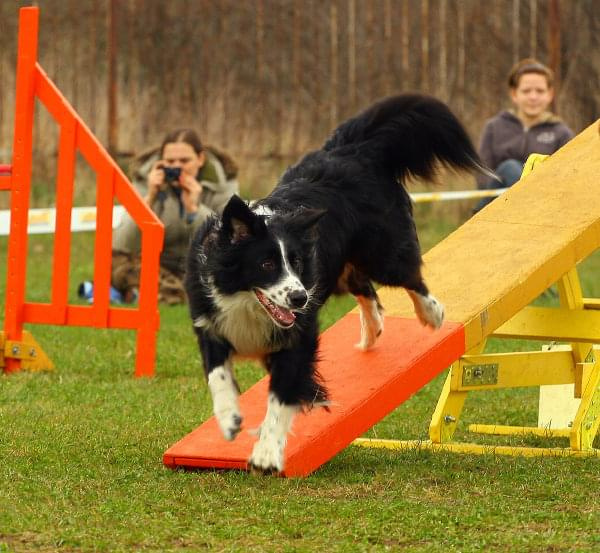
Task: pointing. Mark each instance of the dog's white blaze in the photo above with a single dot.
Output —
(225, 401)
(289, 281)
(428, 309)
(371, 322)
(268, 451)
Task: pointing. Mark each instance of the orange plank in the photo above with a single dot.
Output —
(364, 387)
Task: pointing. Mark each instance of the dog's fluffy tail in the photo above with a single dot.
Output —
(408, 135)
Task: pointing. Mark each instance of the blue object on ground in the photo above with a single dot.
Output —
(86, 291)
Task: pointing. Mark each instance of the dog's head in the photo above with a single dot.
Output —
(270, 256)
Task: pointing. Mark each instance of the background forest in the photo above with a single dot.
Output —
(269, 79)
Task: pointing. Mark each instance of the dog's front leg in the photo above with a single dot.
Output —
(267, 455)
(294, 385)
(223, 387)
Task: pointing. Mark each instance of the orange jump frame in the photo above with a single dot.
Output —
(16, 348)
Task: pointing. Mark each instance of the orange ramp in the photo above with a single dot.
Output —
(364, 387)
(485, 273)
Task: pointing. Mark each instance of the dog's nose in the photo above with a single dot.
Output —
(298, 298)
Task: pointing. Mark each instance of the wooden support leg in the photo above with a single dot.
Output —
(450, 404)
(447, 411)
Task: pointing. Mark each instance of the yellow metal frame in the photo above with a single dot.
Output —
(577, 362)
(578, 321)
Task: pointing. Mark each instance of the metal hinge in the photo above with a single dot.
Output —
(480, 375)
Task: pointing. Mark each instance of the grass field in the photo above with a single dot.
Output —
(81, 450)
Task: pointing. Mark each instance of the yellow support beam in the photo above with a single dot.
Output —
(542, 323)
(475, 449)
(505, 430)
(514, 370)
(447, 412)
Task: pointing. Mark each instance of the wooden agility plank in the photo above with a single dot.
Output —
(364, 387)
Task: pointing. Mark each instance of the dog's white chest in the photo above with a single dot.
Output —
(244, 323)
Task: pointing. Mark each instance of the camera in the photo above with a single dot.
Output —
(172, 174)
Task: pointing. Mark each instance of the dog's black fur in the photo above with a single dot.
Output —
(336, 221)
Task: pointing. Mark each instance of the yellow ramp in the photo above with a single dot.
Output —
(519, 245)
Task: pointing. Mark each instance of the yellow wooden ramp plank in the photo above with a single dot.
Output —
(510, 252)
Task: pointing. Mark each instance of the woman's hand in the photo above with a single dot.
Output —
(156, 179)
(191, 191)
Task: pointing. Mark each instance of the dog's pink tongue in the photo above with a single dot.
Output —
(280, 314)
(283, 315)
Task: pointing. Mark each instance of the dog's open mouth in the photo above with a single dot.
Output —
(280, 315)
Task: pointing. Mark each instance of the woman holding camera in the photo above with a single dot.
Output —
(184, 183)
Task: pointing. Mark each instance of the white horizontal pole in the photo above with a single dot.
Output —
(43, 221)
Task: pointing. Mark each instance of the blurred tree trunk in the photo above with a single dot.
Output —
(352, 53)
(516, 29)
(334, 64)
(405, 42)
(425, 69)
(533, 34)
(113, 129)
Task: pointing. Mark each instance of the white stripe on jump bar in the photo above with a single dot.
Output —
(43, 221)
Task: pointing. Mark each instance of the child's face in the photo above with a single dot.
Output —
(532, 96)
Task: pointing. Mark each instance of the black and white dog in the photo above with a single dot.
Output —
(336, 221)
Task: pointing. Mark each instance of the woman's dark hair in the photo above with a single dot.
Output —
(529, 65)
(188, 136)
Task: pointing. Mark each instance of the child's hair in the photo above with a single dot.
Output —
(188, 136)
(529, 65)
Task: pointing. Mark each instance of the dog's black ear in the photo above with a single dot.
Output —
(239, 222)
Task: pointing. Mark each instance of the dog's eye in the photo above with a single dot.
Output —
(268, 265)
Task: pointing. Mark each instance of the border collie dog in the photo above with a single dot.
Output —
(337, 220)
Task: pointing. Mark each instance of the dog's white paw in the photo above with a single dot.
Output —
(230, 422)
(267, 454)
(225, 402)
(432, 313)
(428, 309)
(371, 322)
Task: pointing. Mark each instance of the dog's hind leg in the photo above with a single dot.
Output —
(221, 383)
(371, 310)
(427, 308)
(399, 264)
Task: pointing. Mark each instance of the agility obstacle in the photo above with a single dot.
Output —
(486, 273)
(18, 349)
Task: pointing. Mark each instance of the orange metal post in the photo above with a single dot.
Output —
(21, 179)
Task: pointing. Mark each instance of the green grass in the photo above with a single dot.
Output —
(81, 450)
